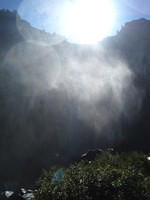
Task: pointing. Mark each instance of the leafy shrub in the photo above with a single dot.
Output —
(108, 177)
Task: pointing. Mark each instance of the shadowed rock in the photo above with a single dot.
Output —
(91, 154)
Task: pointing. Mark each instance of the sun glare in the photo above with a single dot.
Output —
(88, 21)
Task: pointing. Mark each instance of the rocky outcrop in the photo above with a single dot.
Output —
(22, 194)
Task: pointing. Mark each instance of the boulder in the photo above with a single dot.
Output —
(91, 154)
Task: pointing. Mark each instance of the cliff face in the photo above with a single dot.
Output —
(41, 123)
(133, 44)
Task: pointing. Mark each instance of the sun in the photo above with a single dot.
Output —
(88, 21)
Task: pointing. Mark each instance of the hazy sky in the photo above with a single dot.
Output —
(126, 10)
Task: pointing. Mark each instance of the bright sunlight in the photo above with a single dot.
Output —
(88, 21)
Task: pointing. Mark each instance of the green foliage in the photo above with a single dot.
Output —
(108, 177)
